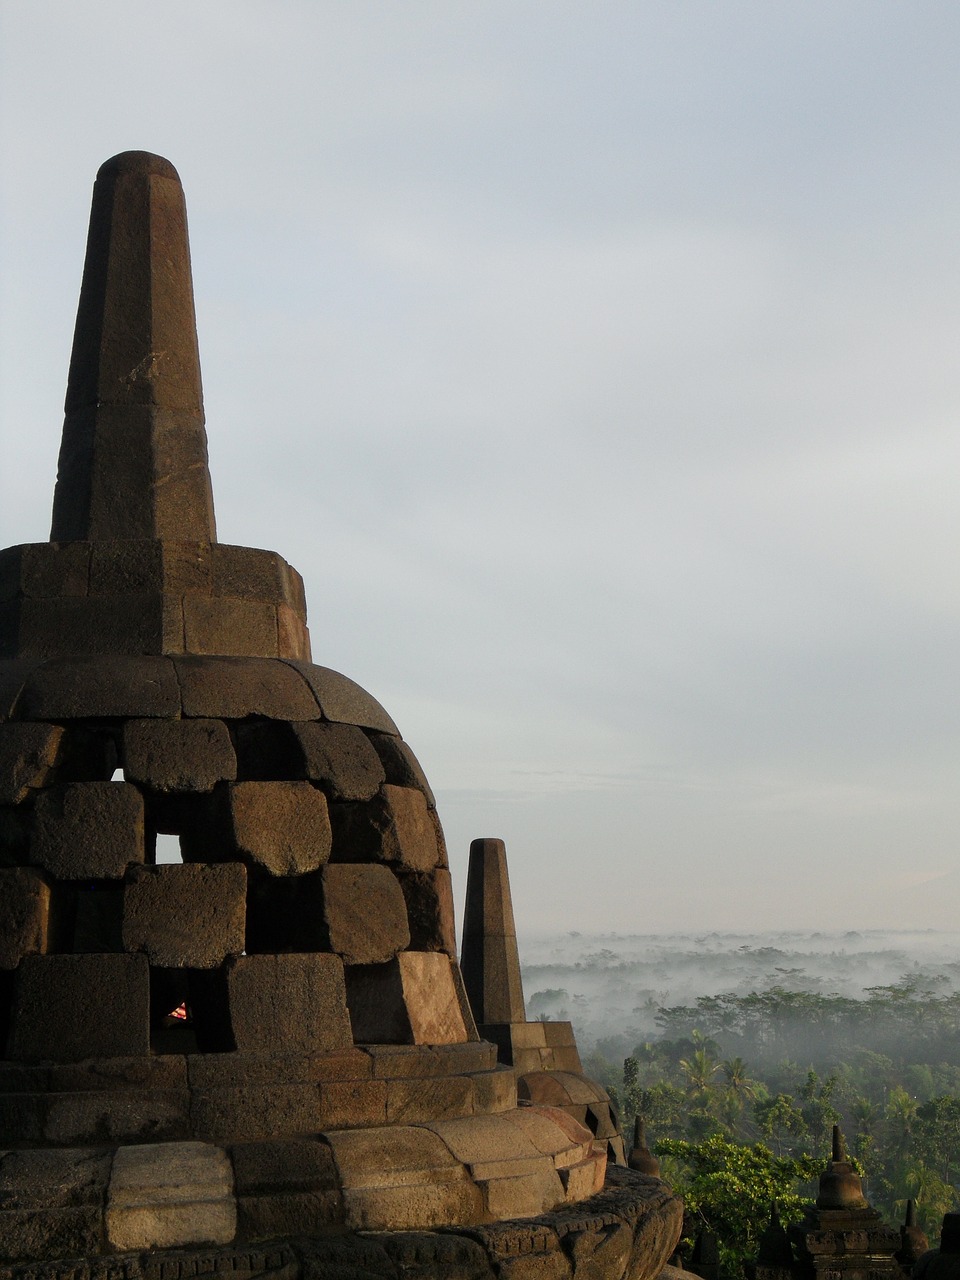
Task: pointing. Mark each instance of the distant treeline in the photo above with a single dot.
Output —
(914, 1020)
(770, 1072)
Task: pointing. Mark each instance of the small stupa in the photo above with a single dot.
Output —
(260, 1059)
(841, 1237)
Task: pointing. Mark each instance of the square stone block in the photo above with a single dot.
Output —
(27, 754)
(24, 915)
(169, 1194)
(342, 699)
(364, 911)
(88, 830)
(108, 625)
(67, 1008)
(396, 827)
(429, 899)
(411, 1000)
(431, 999)
(263, 1168)
(178, 755)
(36, 570)
(231, 688)
(401, 1155)
(411, 1101)
(402, 767)
(293, 638)
(82, 686)
(234, 627)
(527, 1196)
(255, 1113)
(289, 1213)
(283, 827)
(340, 758)
(297, 1002)
(185, 916)
(347, 1104)
(149, 566)
(250, 573)
(419, 1207)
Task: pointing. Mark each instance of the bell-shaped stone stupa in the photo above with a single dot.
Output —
(258, 1058)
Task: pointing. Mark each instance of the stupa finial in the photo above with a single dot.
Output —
(133, 460)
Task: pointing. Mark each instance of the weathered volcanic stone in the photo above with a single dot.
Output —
(396, 827)
(342, 700)
(490, 960)
(178, 755)
(24, 915)
(52, 1203)
(38, 570)
(402, 767)
(67, 1008)
(85, 687)
(90, 829)
(286, 1188)
(340, 758)
(188, 916)
(410, 1000)
(148, 567)
(281, 826)
(297, 1001)
(27, 754)
(234, 688)
(107, 625)
(133, 457)
(429, 899)
(224, 626)
(364, 911)
(167, 1194)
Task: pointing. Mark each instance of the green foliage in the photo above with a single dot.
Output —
(785, 1065)
(730, 1187)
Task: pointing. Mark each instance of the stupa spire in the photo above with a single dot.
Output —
(133, 459)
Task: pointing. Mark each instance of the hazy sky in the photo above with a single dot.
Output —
(597, 366)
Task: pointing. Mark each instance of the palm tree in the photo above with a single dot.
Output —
(699, 1069)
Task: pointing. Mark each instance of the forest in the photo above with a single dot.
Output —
(739, 1089)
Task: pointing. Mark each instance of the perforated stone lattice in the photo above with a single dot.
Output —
(308, 840)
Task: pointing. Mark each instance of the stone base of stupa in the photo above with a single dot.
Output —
(626, 1231)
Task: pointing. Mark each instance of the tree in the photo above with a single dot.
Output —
(779, 1120)
(729, 1187)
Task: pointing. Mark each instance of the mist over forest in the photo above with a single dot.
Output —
(613, 986)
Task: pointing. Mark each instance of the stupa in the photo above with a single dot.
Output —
(260, 1059)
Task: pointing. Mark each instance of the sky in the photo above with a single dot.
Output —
(596, 365)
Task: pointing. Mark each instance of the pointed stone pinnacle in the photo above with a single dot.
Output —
(839, 1146)
(133, 460)
(490, 959)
